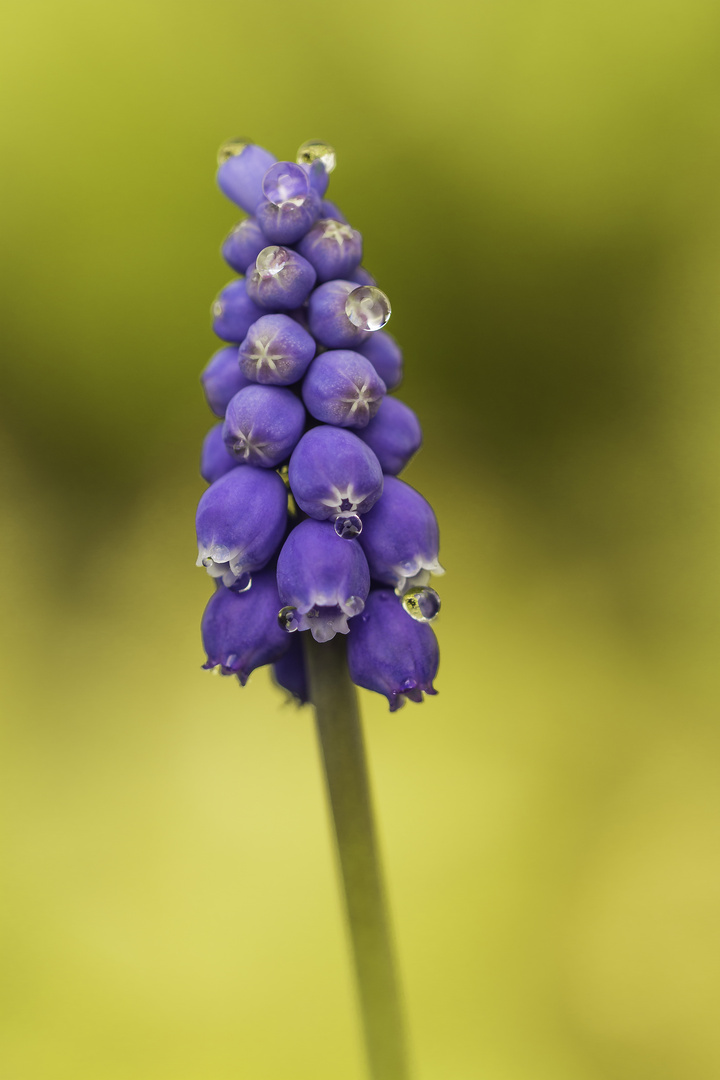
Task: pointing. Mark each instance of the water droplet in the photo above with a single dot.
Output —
(217, 309)
(287, 617)
(368, 307)
(207, 561)
(271, 261)
(231, 148)
(409, 684)
(242, 582)
(353, 606)
(230, 660)
(421, 604)
(349, 526)
(314, 150)
(284, 181)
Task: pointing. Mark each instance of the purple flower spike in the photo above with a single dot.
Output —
(277, 350)
(280, 280)
(215, 460)
(240, 175)
(234, 311)
(385, 355)
(222, 378)
(289, 671)
(240, 522)
(394, 434)
(334, 249)
(333, 472)
(343, 388)
(243, 244)
(324, 578)
(240, 631)
(263, 425)
(391, 653)
(328, 320)
(400, 537)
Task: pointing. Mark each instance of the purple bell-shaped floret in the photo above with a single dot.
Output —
(394, 434)
(333, 473)
(280, 280)
(289, 671)
(400, 537)
(290, 206)
(215, 459)
(263, 425)
(343, 388)
(234, 311)
(333, 248)
(222, 378)
(390, 652)
(322, 580)
(240, 631)
(241, 168)
(240, 522)
(277, 350)
(243, 244)
(385, 355)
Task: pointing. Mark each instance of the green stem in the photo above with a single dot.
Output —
(341, 743)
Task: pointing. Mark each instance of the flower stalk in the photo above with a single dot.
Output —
(346, 775)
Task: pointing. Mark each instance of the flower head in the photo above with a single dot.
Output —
(301, 392)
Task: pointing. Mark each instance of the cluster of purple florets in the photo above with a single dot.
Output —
(305, 525)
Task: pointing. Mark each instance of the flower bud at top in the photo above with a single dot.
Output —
(215, 460)
(240, 631)
(324, 578)
(276, 350)
(234, 311)
(333, 472)
(394, 434)
(280, 280)
(385, 355)
(400, 537)
(240, 522)
(262, 425)
(391, 653)
(290, 205)
(222, 378)
(334, 249)
(343, 388)
(243, 244)
(240, 175)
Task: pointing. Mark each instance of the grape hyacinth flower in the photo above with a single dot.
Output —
(305, 525)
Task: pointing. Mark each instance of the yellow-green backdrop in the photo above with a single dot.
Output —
(537, 185)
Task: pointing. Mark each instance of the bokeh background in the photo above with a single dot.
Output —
(537, 185)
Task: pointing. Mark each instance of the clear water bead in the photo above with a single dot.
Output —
(287, 618)
(284, 181)
(349, 526)
(232, 147)
(207, 561)
(421, 604)
(271, 261)
(368, 308)
(353, 606)
(242, 583)
(313, 150)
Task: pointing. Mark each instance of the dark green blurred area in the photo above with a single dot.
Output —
(536, 184)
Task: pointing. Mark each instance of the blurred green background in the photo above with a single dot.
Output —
(537, 185)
